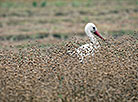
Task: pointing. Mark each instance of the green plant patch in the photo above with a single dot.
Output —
(76, 3)
(60, 3)
(43, 4)
(34, 4)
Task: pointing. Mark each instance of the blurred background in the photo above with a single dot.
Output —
(52, 21)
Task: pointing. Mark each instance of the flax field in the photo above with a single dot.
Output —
(35, 37)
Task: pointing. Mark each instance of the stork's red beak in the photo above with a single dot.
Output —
(98, 34)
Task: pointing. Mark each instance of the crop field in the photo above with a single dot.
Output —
(35, 36)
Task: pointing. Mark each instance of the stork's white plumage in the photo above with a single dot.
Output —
(87, 49)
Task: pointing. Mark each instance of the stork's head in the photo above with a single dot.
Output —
(90, 28)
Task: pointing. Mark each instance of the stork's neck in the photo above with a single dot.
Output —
(91, 36)
(93, 39)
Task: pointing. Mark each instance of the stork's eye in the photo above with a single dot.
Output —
(93, 28)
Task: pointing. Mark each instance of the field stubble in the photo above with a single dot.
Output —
(51, 75)
(35, 72)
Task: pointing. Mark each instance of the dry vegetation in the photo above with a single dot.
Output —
(35, 38)
(51, 75)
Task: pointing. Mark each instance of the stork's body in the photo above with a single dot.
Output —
(89, 49)
(85, 50)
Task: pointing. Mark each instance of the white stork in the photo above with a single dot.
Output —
(87, 49)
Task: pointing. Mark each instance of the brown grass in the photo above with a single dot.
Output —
(51, 75)
(43, 71)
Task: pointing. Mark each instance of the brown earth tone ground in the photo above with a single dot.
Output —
(36, 35)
